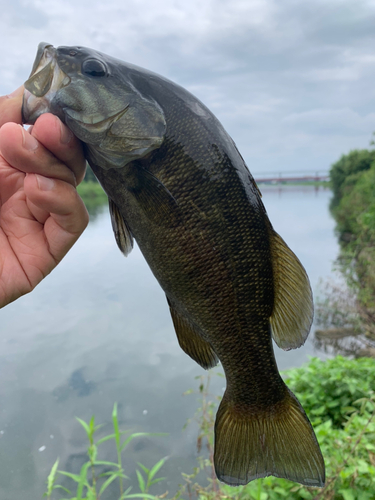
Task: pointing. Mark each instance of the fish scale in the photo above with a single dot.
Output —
(178, 185)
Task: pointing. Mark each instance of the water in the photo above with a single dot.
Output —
(98, 330)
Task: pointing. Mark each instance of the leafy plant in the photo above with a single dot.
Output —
(91, 485)
(328, 389)
(338, 396)
(147, 481)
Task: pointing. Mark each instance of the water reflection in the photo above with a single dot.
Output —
(346, 343)
(98, 330)
(76, 382)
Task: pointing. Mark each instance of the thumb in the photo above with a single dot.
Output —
(11, 106)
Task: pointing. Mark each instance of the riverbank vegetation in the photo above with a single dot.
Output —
(92, 193)
(339, 398)
(347, 312)
(353, 207)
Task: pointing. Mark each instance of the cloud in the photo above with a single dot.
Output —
(343, 121)
(279, 75)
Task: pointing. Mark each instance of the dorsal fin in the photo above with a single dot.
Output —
(293, 309)
(191, 342)
(124, 238)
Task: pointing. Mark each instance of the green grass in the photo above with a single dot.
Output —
(90, 483)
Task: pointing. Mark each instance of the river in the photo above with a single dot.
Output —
(98, 330)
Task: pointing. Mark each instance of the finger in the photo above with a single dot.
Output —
(57, 138)
(25, 153)
(10, 107)
(68, 216)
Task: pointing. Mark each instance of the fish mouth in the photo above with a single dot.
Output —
(97, 122)
(45, 80)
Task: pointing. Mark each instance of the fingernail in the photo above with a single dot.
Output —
(28, 141)
(45, 183)
(66, 134)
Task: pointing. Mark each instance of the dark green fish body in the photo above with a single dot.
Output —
(178, 185)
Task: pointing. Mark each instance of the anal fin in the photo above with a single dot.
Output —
(191, 342)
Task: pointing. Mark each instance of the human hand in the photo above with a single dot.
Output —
(41, 214)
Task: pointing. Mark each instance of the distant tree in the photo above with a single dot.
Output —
(347, 170)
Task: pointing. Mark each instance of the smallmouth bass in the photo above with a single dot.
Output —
(177, 184)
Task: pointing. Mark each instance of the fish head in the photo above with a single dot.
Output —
(93, 94)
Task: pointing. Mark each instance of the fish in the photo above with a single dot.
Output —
(179, 187)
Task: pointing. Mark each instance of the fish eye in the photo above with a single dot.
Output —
(93, 67)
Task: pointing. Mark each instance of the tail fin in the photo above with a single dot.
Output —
(278, 441)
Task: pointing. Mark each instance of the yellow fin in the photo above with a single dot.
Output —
(293, 308)
(123, 236)
(191, 342)
(276, 441)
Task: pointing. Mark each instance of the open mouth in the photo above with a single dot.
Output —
(45, 80)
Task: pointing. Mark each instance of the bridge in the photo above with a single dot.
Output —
(292, 176)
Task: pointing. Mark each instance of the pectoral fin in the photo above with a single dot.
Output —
(293, 306)
(155, 199)
(191, 342)
(124, 238)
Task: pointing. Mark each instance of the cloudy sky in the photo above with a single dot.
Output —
(292, 81)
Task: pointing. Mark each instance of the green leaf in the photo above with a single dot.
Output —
(75, 477)
(83, 481)
(154, 481)
(107, 483)
(105, 438)
(156, 467)
(143, 468)
(62, 488)
(117, 431)
(131, 437)
(347, 494)
(84, 425)
(105, 462)
(52, 477)
(125, 493)
(141, 481)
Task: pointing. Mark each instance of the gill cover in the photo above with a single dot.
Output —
(132, 133)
